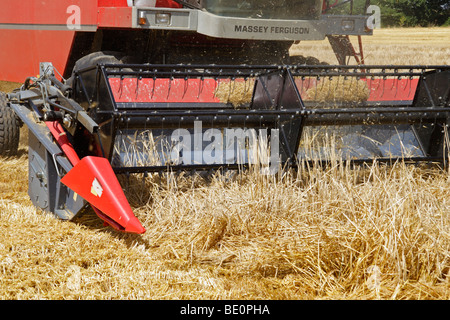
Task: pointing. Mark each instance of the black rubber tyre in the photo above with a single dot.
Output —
(309, 61)
(90, 60)
(95, 58)
(9, 129)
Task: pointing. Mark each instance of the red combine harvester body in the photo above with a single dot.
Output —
(35, 31)
(142, 86)
(63, 31)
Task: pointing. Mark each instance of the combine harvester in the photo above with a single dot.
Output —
(118, 87)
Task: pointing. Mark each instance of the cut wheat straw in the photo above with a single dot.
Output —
(325, 233)
(329, 233)
(339, 89)
(237, 92)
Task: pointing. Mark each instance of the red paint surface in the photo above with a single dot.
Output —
(61, 139)
(379, 89)
(392, 89)
(26, 37)
(112, 205)
(115, 17)
(167, 4)
(111, 202)
(198, 91)
(163, 90)
(112, 3)
(22, 51)
(47, 12)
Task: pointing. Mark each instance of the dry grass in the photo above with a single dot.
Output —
(398, 46)
(339, 89)
(237, 92)
(6, 86)
(373, 232)
(320, 233)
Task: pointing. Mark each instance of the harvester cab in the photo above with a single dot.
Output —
(159, 110)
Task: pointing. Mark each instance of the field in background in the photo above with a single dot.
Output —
(397, 46)
(372, 233)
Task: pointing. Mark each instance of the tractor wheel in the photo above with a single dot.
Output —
(90, 60)
(89, 81)
(9, 129)
(95, 58)
(302, 60)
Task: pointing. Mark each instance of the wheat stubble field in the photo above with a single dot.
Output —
(369, 233)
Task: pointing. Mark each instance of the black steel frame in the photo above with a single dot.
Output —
(276, 102)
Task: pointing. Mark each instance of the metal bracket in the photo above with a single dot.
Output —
(54, 155)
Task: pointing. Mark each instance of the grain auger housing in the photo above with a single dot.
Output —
(125, 118)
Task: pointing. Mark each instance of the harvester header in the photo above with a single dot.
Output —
(119, 119)
(142, 87)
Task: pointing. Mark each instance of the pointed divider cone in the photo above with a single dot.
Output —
(94, 180)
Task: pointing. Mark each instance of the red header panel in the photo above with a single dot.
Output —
(164, 90)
